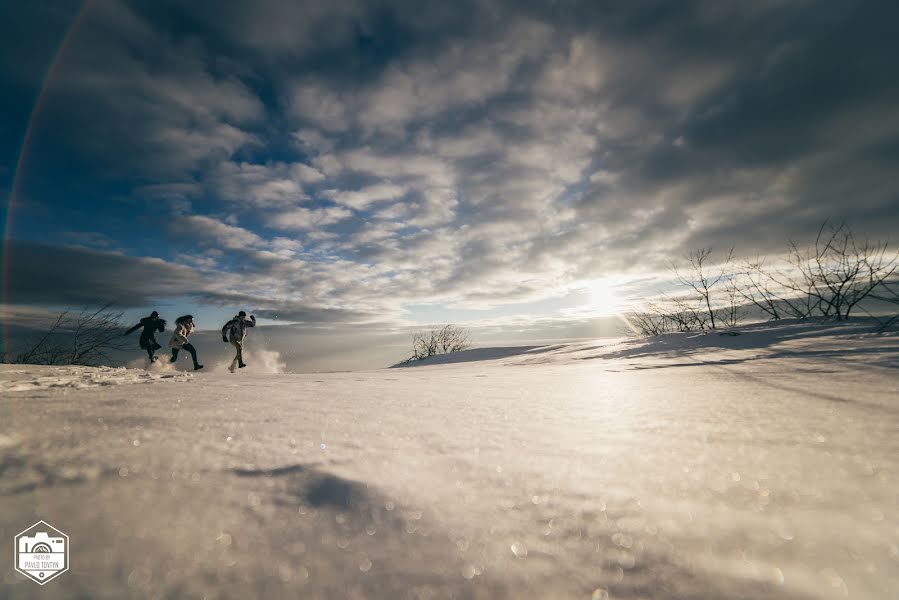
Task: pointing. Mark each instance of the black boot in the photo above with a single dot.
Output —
(241, 365)
(197, 367)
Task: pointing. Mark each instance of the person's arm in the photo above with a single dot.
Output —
(225, 331)
(252, 321)
(135, 328)
(161, 325)
(181, 334)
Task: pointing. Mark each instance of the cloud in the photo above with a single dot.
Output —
(327, 109)
(274, 29)
(179, 196)
(317, 316)
(466, 73)
(202, 228)
(44, 274)
(429, 208)
(354, 159)
(269, 185)
(363, 198)
(152, 105)
(299, 219)
(76, 276)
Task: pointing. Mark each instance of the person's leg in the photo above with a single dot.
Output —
(236, 345)
(193, 354)
(174, 355)
(240, 362)
(238, 359)
(147, 347)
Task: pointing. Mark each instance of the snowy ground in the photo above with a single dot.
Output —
(762, 465)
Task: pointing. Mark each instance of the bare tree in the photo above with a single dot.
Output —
(439, 340)
(776, 292)
(830, 278)
(83, 338)
(758, 290)
(682, 312)
(706, 281)
(841, 271)
(710, 300)
(826, 279)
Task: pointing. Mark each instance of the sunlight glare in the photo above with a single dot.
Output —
(603, 298)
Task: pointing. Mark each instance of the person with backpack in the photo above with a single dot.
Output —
(234, 332)
(184, 326)
(147, 340)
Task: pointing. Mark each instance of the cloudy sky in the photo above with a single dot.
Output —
(351, 169)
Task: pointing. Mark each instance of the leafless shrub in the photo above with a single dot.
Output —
(840, 271)
(733, 309)
(649, 323)
(706, 282)
(670, 315)
(83, 338)
(888, 292)
(440, 340)
(710, 300)
(826, 279)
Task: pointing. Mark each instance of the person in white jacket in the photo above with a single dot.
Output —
(235, 331)
(184, 326)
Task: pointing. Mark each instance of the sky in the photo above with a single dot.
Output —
(350, 171)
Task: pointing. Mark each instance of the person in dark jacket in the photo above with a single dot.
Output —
(235, 331)
(184, 326)
(147, 341)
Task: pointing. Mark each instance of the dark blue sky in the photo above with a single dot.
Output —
(376, 165)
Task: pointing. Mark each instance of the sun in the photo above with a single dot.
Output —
(603, 298)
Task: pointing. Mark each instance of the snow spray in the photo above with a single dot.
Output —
(259, 360)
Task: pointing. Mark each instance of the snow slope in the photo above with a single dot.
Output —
(761, 465)
(24, 378)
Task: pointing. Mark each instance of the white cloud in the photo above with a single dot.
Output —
(305, 173)
(465, 73)
(373, 233)
(305, 218)
(435, 207)
(398, 166)
(314, 102)
(263, 185)
(313, 141)
(361, 199)
(476, 139)
(574, 70)
(208, 228)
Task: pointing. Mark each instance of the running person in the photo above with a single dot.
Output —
(184, 326)
(147, 341)
(235, 331)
